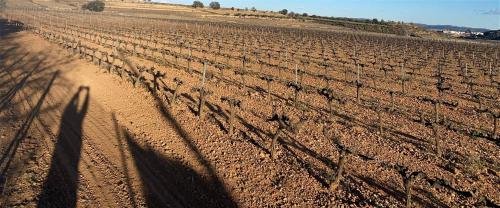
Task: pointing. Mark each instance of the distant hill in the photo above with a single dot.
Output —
(453, 28)
(387, 27)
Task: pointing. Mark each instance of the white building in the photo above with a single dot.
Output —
(454, 33)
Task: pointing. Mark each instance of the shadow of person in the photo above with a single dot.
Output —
(61, 185)
(168, 182)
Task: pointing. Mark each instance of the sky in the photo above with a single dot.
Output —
(470, 13)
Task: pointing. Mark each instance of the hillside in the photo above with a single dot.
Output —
(235, 15)
(388, 28)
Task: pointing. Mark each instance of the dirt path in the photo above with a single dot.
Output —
(72, 137)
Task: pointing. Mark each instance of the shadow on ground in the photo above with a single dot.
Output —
(195, 190)
(167, 182)
(60, 187)
(21, 70)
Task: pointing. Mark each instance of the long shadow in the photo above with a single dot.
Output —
(189, 142)
(297, 145)
(250, 127)
(8, 54)
(394, 192)
(123, 158)
(201, 158)
(170, 183)
(8, 50)
(60, 187)
(16, 117)
(4, 100)
(9, 154)
(352, 187)
(8, 28)
(6, 69)
(318, 174)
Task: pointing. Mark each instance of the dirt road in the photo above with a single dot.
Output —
(74, 137)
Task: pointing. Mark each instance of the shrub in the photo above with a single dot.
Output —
(283, 12)
(95, 6)
(198, 4)
(214, 5)
(253, 9)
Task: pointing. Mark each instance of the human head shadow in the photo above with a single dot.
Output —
(170, 183)
(61, 185)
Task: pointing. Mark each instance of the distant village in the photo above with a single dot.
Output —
(488, 35)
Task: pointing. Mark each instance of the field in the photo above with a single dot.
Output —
(165, 106)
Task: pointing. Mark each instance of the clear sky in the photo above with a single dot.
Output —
(471, 13)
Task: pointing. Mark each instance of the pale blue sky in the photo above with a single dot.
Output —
(471, 13)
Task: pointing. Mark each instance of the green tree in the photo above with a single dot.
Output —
(284, 11)
(214, 5)
(95, 6)
(198, 4)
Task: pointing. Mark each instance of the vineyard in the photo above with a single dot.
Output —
(300, 117)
